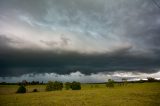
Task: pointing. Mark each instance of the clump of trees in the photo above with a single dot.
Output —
(110, 83)
(25, 82)
(53, 86)
(35, 83)
(21, 89)
(67, 85)
(151, 79)
(75, 85)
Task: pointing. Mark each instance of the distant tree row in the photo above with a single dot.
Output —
(124, 82)
(52, 86)
(25, 82)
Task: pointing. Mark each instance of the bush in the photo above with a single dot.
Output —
(35, 90)
(21, 89)
(150, 79)
(75, 85)
(52, 86)
(67, 85)
(110, 83)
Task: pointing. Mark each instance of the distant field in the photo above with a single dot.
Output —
(134, 94)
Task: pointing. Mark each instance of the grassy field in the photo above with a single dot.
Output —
(134, 94)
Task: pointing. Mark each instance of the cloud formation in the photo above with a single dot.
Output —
(46, 36)
(78, 76)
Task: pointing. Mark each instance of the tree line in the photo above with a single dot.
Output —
(25, 82)
(53, 86)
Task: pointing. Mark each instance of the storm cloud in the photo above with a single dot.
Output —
(89, 36)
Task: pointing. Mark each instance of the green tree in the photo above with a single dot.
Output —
(75, 85)
(67, 85)
(110, 83)
(21, 89)
(151, 79)
(52, 86)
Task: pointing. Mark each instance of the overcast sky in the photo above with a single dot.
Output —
(65, 38)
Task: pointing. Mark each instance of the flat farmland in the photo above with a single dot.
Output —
(133, 94)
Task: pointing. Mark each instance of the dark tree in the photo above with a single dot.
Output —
(52, 86)
(75, 85)
(150, 79)
(21, 89)
(110, 83)
(67, 85)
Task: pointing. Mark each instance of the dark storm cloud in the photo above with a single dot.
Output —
(15, 63)
(90, 36)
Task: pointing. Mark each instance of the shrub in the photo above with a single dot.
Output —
(110, 83)
(35, 90)
(52, 86)
(67, 85)
(75, 85)
(21, 89)
(150, 79)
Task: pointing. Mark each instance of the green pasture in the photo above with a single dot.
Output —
(133, 94)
